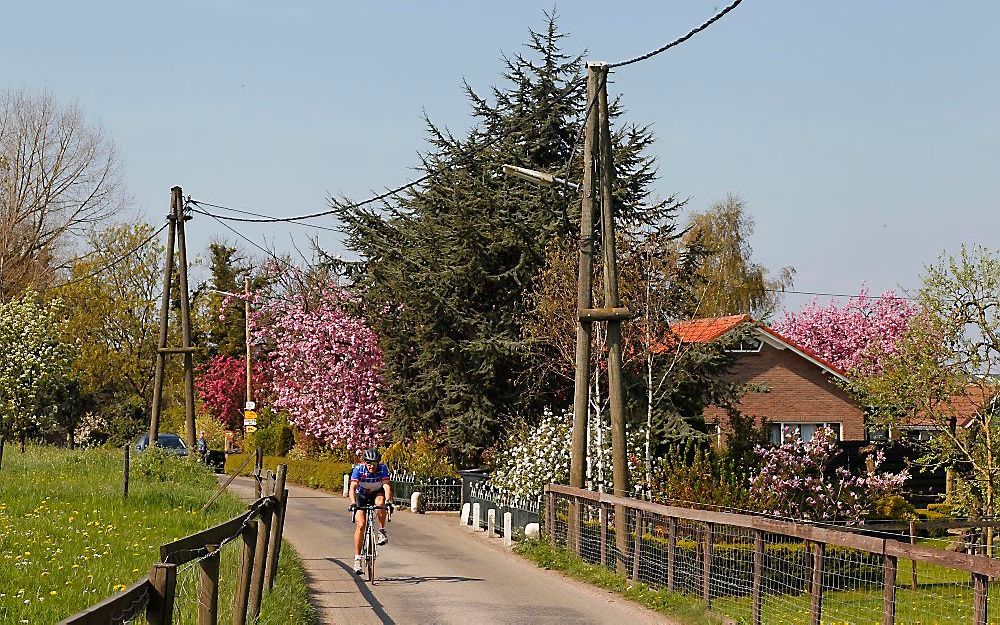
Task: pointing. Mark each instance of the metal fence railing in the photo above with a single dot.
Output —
(524, 510)
(437, 493)
(754, 569)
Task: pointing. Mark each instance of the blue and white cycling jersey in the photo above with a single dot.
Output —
(370, 482)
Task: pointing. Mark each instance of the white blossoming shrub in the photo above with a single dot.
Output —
(34, 365)
(540, 455)
(536, 456)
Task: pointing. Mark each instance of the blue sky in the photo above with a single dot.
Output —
(864, 136)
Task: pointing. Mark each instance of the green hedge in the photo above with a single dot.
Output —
(322, 474)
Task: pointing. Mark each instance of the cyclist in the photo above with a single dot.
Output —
(369, 487)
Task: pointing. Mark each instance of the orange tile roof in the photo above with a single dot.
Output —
(707, 330)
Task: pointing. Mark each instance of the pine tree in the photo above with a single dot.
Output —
(447, 267)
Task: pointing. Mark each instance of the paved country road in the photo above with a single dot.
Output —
(433, 571)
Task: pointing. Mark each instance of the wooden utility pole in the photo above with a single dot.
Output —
(161, 347)
(185, 324)
(584, 293)
(175, 231)
(597, 157)
(611, 301)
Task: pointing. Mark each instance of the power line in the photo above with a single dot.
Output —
(251, 213)
(679, 40)
(890, 297)
(113, 263)
(249, 240)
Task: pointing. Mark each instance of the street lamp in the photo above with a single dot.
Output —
(245, 296)
(538, 177)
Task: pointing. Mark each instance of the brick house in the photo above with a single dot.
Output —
(804, 392)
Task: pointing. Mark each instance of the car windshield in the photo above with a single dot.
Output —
(173, 442)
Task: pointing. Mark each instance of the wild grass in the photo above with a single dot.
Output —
(68, 539)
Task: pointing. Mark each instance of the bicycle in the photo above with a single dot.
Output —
(369, 548)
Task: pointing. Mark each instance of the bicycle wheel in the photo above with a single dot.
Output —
(374, 548)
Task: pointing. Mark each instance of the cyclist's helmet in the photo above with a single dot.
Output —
(373, 456)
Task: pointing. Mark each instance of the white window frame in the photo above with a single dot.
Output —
(836, 426)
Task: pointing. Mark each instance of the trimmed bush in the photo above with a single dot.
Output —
(322, 474)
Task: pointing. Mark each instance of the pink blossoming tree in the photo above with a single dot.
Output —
(854, 336)
(325, 365)
(221, 387)
(796, 481)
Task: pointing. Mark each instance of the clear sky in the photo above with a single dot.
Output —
(864, 136)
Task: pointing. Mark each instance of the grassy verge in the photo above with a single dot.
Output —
(323, 474)
(68, 539)
(675, 605)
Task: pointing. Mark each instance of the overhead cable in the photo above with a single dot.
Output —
(111, 264)
(679, 40)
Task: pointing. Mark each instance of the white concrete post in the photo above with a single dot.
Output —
(508, 526)
(476, 517)
(463, 519)
(417, 502)
(532, 530)
(347, 483)
(491, 523)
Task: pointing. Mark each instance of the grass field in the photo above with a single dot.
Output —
(943, 597)
(69, 540)
(675, 605)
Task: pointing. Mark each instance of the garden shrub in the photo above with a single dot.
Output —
(894, 507)
(322, 474)
(694, 474)
(156, 464)
(423, 457)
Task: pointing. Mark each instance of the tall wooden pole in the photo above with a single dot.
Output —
(182, 276)
(161, 355)
(584, 292)
(615, 387)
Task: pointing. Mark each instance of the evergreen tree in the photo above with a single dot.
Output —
(223, 324)
(447, 267)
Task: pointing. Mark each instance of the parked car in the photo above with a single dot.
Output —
(215, 460)
(170, 443)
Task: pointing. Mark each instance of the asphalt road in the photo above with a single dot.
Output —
(433, 571)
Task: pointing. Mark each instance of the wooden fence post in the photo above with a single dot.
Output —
(160, 609)
(981, 585)
(913, 562)
(706, 591)
(277, 525)
(257, 469)
(671, 553)
(758, 577)
(816, 603)
(259, 561)
(637, 550)
(603, 510)
(128, 447)
(246, 568)
(889, 564)
(550, 514)
(208, 587)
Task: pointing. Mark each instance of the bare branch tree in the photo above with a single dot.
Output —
(59, 176)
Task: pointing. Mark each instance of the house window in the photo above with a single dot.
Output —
(917, 433)
(749, 346)
(805, 431)
(877, 435)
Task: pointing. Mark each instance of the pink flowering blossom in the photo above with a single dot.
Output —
(326, 367)
(852, 336)
(796, 481)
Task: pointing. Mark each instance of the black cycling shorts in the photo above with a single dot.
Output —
(368, 499)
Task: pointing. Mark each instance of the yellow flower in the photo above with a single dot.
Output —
(53, 592)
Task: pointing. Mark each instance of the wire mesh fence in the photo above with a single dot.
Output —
(753, 569)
